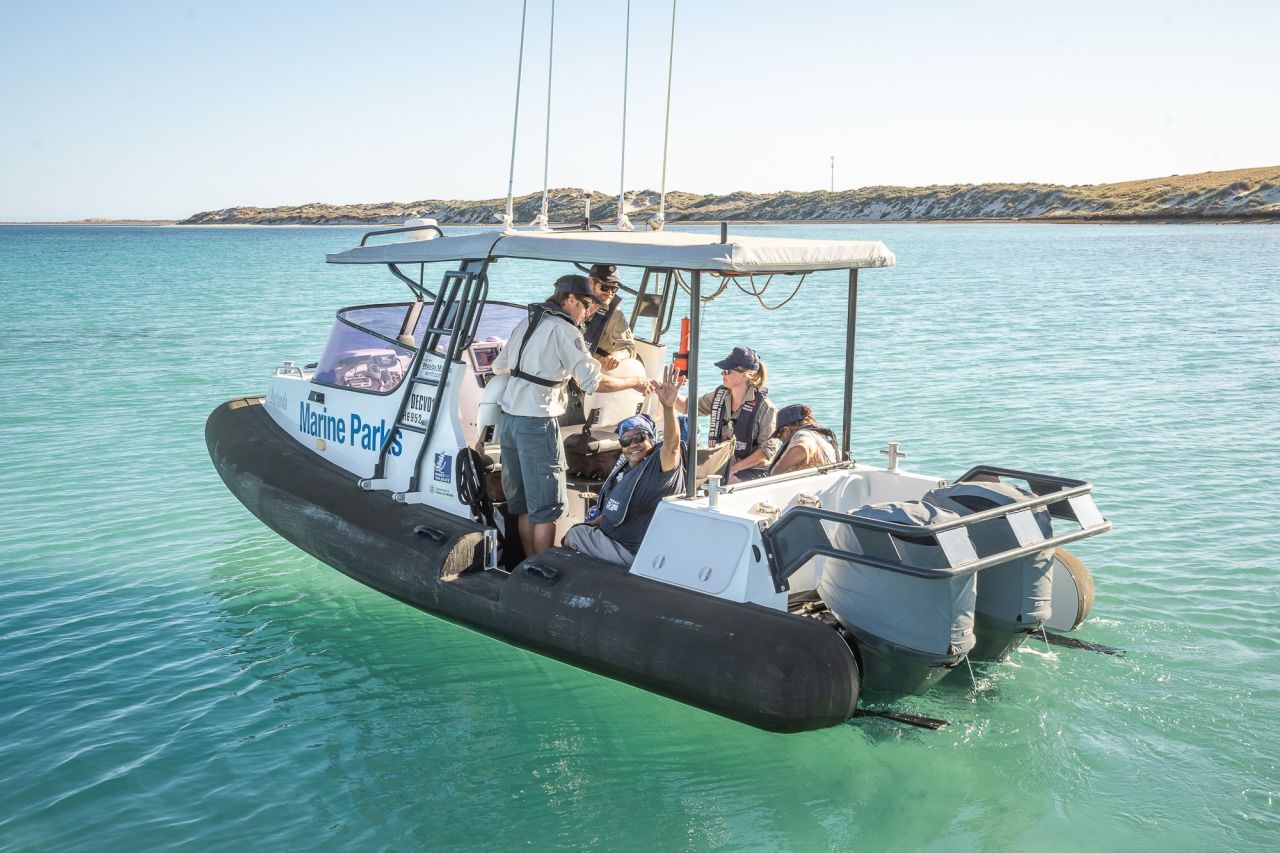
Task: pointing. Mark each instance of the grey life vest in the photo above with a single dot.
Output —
(644, 485)
(537, 312)
(596, 325)
(743, 426)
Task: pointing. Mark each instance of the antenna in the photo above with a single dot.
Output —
(624, 223)
(666, 130)
(509, 217)
(833, 173)
(540, 221)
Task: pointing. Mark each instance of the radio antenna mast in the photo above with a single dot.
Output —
(656, 224)
(509, 217)
(624, 222)
(540, 221)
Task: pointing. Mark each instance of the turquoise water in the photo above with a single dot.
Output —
(175, 674)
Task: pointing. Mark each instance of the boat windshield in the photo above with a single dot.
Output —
(363, 353)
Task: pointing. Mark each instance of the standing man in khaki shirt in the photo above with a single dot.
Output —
(545, 351)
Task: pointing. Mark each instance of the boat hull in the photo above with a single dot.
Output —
(760, 666)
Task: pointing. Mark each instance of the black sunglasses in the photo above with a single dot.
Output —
(628, 440)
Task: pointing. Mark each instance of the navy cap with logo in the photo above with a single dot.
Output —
(577, 285)
(742, 358)
(789, 415)
(606, 273)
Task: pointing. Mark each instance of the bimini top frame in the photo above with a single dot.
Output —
(697, 253)
(680, 250)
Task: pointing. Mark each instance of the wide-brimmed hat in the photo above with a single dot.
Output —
(742, 358)
(607, 273)
(788, 415)
(577, 285)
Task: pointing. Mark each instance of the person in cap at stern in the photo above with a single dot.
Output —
(647, 471)
(545, 351)
(805, 442)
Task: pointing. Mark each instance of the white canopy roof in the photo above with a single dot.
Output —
(676, 249)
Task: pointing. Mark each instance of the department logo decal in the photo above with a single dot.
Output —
(444, 468)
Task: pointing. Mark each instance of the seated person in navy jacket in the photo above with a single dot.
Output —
(647, 471)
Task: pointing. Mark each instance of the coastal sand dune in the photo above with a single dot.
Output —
(1233, 196)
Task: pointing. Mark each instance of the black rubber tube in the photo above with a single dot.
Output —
(761, 666)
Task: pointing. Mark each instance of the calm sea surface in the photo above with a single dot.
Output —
(174, 673)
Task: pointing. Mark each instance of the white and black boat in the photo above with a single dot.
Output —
(776, 602)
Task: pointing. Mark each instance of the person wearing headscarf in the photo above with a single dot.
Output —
(647, 471)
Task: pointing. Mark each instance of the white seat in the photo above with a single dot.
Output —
(488, 412)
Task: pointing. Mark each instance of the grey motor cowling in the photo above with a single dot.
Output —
(910, 630)
(1014, 598)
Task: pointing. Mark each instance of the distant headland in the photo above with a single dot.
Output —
(1238, 195)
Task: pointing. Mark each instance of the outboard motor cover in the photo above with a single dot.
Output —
(933, 616)
(1019, 591)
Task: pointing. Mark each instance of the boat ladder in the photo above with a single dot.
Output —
(455, 313)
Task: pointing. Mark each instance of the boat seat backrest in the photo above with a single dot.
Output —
(712, 461)
(591, 454)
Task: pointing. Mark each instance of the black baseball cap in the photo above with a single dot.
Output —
(608, 273)
(577, 285)
(789, 415)
(742, 358)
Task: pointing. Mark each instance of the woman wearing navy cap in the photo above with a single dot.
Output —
(647, 471)
(741, 411)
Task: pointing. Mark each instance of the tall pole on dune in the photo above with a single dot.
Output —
(833, 173)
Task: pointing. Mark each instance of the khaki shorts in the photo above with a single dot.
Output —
(532, 467)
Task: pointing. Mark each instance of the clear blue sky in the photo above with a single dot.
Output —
(162, 109)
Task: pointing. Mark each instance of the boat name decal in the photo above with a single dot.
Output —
(418, 409)
(356, 432)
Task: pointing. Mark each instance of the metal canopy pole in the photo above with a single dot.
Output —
(695, 327)
(851, 328)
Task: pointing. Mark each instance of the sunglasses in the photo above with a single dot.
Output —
(628, 440)
(732, 370)
(608, 288)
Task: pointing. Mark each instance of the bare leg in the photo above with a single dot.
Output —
(544, 535)
(526, 534)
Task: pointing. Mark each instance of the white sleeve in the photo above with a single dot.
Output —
(503, 363)
(577, 362)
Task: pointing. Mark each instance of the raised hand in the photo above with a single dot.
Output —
(668, 390)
